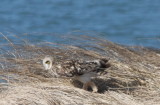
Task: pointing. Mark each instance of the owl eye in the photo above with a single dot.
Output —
(47, 62)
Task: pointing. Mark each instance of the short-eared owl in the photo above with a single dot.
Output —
(82, 71)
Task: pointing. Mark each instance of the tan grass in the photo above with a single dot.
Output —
(132, 79)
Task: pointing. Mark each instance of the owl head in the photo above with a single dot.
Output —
(48, 62)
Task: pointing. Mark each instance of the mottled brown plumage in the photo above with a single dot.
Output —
(79, 69)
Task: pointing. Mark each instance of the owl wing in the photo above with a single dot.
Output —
(77, 68)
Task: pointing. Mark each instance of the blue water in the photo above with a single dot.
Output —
(128, 22)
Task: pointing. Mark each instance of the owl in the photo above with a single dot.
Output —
(80, 70)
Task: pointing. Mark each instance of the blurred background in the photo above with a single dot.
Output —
(127, 22)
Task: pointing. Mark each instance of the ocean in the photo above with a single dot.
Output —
(125, 22)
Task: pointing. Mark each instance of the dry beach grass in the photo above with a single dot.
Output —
(132, 79)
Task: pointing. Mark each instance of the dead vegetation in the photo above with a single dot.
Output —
(132, 79)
